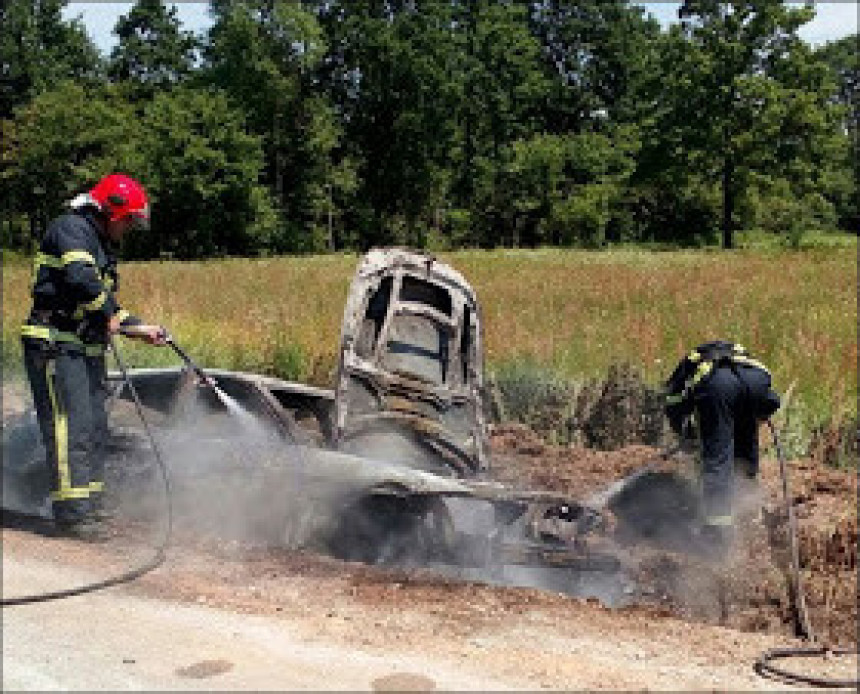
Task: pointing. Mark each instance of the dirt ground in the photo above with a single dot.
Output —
(748, 592)
(699, 626)
(454, 635)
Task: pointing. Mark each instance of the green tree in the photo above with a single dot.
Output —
(843, 59)
(432, 96)
(597, 54)
(441, 102)
(55, 145)
(505, 88)
(202, 169)
(153, 52)
(843, 178)
(263, 54)
(561, 189)
(392, 75)
(38, 49)
(742, 97)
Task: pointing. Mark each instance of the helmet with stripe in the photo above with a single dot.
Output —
(119, 197)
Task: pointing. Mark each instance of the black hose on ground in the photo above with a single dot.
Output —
(765, 665)
(160, 550)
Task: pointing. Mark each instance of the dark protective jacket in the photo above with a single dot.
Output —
(694, 371)
(75, 285)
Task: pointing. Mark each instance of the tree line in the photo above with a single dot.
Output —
(328, 125)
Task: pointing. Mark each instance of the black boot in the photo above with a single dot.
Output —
(99, 511)
(89, 530)
(84, 527)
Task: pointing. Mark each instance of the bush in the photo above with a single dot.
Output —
(606, 414)
(582, 218)
(620, 410)
(289, 361)
(533, 395)
(835, 443)
(792, 425)
(685, 212)
(781, 211)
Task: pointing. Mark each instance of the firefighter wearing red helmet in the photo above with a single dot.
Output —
(74, 312)
(121, 197)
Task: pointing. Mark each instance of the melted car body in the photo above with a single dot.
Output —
(392, 463)
(410, 381)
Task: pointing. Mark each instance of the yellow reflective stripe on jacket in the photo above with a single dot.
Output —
(41, 259)
(121, 315)
(93, 305)
(41, 332)
(67, 257)
(97, 486)
(71, 493)
(747, 361)
(78, 257)
(703, 370)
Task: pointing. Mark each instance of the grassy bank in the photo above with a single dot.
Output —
(572, 313)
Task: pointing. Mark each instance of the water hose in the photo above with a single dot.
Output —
(142, 330)
(765, 665)
(188, 360)
(160, 550)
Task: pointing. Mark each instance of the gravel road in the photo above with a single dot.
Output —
(264, 623)
(117, 641)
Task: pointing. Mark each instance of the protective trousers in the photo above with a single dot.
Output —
(69, 391)
(729, 406)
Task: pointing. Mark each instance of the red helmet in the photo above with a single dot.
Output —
(120, 196)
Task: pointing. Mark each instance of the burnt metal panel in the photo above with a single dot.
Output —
(410, 381)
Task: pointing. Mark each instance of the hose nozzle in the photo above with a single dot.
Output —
(204, 378)
(138, 330)
(144, 331)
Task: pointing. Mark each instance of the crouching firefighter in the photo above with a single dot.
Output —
(719, 389)
(65, 337)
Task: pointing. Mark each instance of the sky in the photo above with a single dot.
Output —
(833, 21)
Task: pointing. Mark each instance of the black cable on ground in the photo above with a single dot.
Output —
(160, 552)
(765, 665)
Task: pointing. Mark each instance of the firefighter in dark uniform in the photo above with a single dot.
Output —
(724, 393)
(65, 337)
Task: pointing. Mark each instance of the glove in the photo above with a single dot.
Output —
(151, 334)
(768, 405)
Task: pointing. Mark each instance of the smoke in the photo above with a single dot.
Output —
(25, 475)
(487, 560)
(231, 474)
(235, 479)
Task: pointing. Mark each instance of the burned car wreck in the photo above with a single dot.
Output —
(391, 466)
(410, 379)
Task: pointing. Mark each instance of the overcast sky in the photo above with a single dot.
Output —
(833, 21)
